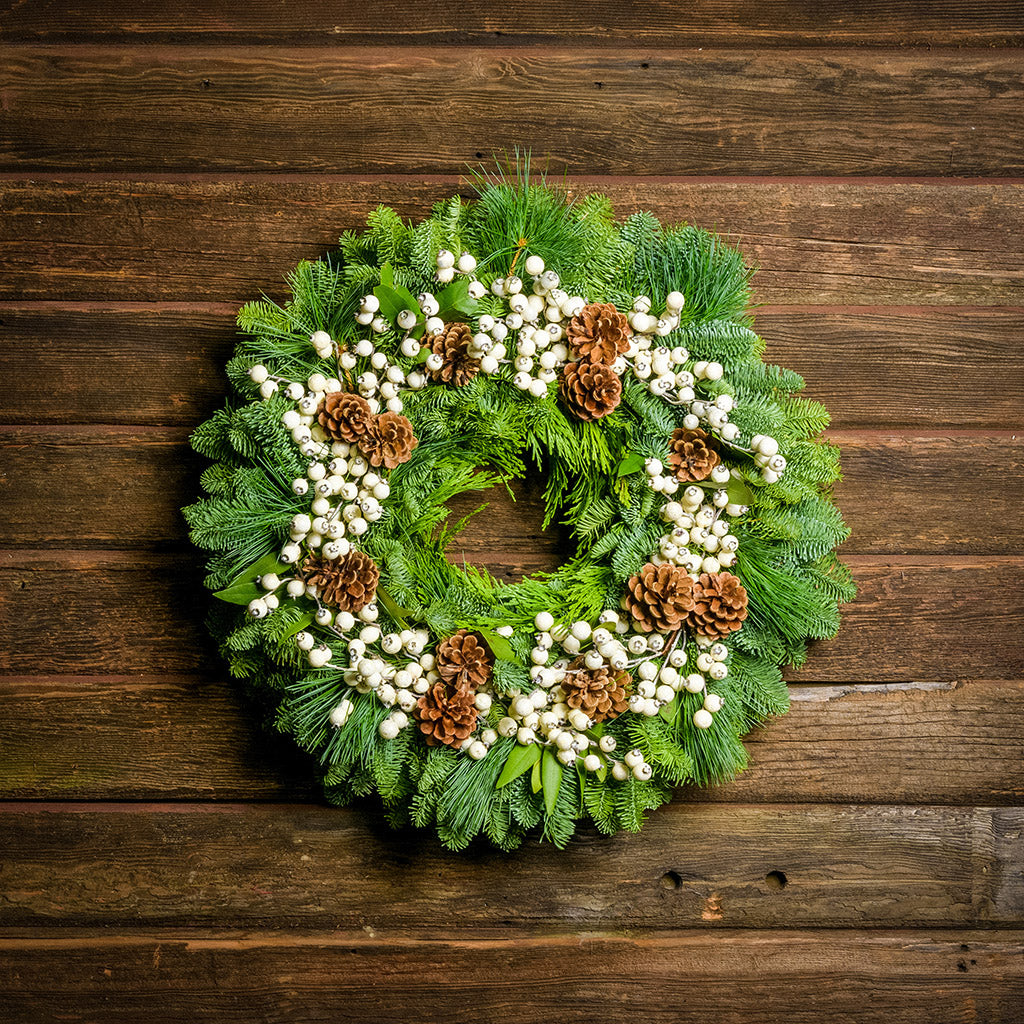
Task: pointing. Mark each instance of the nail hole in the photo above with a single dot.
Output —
(671, 880)
(206, 83)
(600, 85)
(479, 156)
(776, 879)
(645, 65)
(961, 967)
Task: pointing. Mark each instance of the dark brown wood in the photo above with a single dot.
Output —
(925, 367)
(602, 24)
(878, 367)
(247, 865)
(143, 738)
(123, 487)
(958, 743)
(899, 492)
(684, 977)
(936, 618)
(631, 111)
(149, 738)
(226, 241)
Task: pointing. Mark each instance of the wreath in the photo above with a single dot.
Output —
(422, 361)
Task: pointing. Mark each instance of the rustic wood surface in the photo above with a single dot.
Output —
(164, 857)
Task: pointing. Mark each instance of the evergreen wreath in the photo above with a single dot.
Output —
(422, 361)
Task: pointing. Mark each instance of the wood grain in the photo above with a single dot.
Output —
(876, 367)
(675, 112)
(937, 618)
(197, 738)
(123, 487)
(226, 241)
(600, 24)
(244, 865)
(683, 977)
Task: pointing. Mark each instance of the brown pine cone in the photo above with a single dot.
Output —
(659, 597)
(348, 583)
(452, 345)
(344, 416)
(720, 605)
(598, 333)
(389, 440)
(599, 693)
(464, 660)
(447, 715)
(590, 390)
(693, 454)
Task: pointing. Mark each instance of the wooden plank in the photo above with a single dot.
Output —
(602, 24)
(287, 865)
(630, 112)
(904, 367)
(123, 487)
(151, 738)
(901, 368)
(142, 737)
(896, 492)
(938, 618)
(684, 977)
(815, 242)
(914, 743)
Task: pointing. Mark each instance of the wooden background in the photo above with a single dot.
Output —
(162, 858)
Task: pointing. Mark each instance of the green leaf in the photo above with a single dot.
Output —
(455, 299)
(535, 780)
(297, 627)
(393, 608)
(670, 710)
(739, 492)
(522, 759)
(551, 778)
(632, 463)
(499, 646)
(387, 275)
(394, 299)
(242, 589)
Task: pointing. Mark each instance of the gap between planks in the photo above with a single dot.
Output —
(460, 181)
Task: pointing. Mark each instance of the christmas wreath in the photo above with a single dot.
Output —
(422, 361)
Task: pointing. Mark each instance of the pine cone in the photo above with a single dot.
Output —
(720, 605)
(660, 597)
(590, 390)
(598, 693)
(389, 440)
(447, 714)
(464, 660)
(598, 333)
(452, 345)
(348, 583)
(344, 416)
(693, 454)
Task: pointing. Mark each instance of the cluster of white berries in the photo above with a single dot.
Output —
(397, 669)
(700, 539)
(543, 716)
(346, 494)
(765, 450)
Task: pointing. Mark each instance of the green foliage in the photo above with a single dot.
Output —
(483, 435)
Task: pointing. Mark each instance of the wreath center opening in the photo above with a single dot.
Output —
(501, 530)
